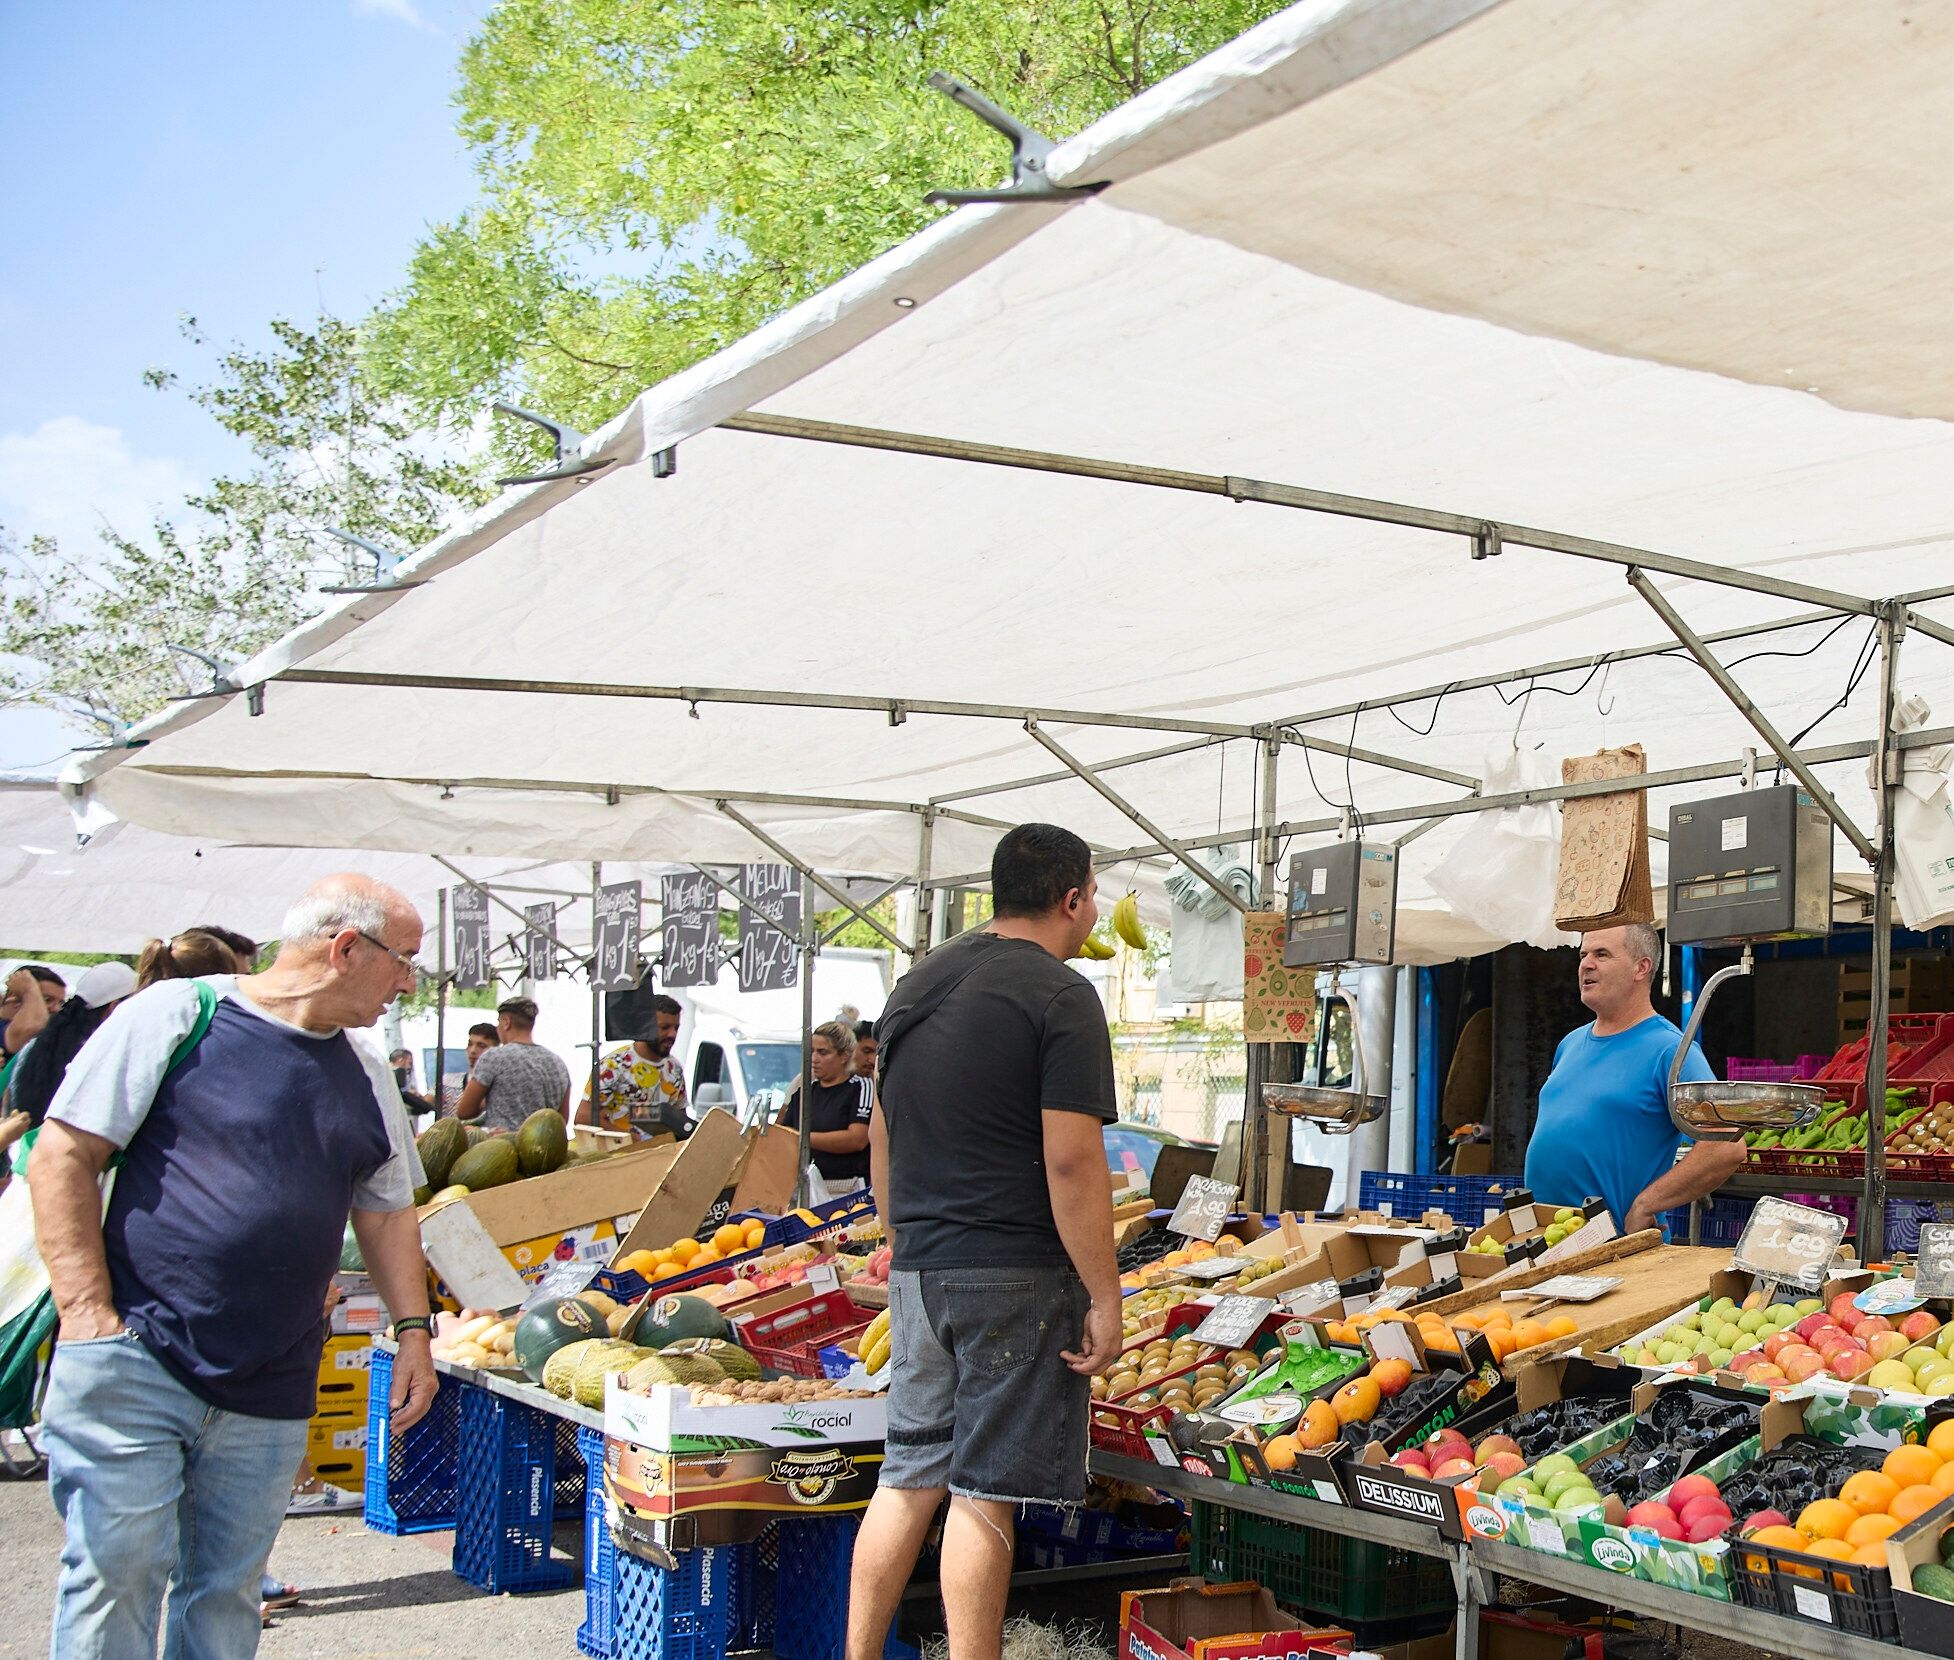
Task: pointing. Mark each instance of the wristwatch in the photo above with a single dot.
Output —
(413, 1322)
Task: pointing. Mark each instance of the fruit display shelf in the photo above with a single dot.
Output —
(1478, 1565)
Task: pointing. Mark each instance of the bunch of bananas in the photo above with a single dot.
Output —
(1126, 921)
(1094, 949)
(874, 1346)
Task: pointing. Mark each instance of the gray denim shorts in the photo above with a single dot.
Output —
(980, 1400)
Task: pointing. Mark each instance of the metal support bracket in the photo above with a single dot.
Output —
(746, 904)
(221, 683)
(385, 563)
(514, 910)
(1760, 722)
(1030, 152)
(568, 441)
(1121, 804)
(806, 870)
(839, 928)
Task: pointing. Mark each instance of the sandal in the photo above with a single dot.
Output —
(274, 1593)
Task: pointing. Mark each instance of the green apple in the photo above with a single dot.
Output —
(1720, 1358)
(1750, 1319)
(1929, 1369)
(1804, 1306)
(1552, 1465)
(1944, 1339)
(1517, 1487)
(1732, 1337)
(1942, 1383)
(1578, 1501)
(1561, 1480)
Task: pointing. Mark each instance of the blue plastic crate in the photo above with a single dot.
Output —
(595, 1636)
(679, 1613)
(810, 1614)
(410, 1479)
(570, 1480)
(505, 1496)
(830, 1216)
(1723, 1221)
(1464, 1198)
(755, 1569)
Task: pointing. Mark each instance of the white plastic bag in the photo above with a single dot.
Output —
(1500, 876)
(1923, 826)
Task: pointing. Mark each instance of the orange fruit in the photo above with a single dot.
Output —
(704, 1255)
(1910, 1502)
(1940, 1438)
(638, 1262)
(667, 1271)
(1469, 1321)
(1835, 1550)
(1500, 1341)
(729, 1237)
(1320, 1425)
(1869, 1492)
(1826, 1518)
(1356, 1402)
(1280, 1453)
(684, 1250)
(1563, 1325)
(1781, 1538)
(754, 1235)
(1871, 1556)
(662, 1255)
(1943, 1481)
(1443, 1341)
(1871, 1527)
(1526, 1333)
(1338, 1331)
(1390, 1376)
(1911, 1466)
(1499, 1316)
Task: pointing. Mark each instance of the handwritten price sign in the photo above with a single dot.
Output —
(1933, 1271)
(1783, 1241)
(688, 931)
(1204, 1207)
(538, 950)
(470, 907)
(768, 957)
(616, 943)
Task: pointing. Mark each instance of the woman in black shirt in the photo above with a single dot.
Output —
(841, 1103)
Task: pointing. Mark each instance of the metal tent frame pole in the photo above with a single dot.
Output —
(924, 917)
(807, 874)
(1886, 777)
(809, 947)
(516, 911)
(596, 994)
(1255, 1069)
(440, 996)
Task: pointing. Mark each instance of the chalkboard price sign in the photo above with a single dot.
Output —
(616, 945)
(470, 909)
(1234, 1321)
(1933, 1269)
(1783, 1241)
(769, 959)
(538, 947)
(1204, 1207)
(688, 934)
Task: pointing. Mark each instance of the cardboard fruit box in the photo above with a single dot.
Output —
(1633, 1551)
(1372, 1482)
(663, 1419)
(1520, 1233)
(1190, 1620)
(1926, 1623)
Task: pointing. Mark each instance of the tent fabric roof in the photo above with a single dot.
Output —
(1378, 248)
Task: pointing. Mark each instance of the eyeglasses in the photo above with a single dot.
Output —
(400, 957)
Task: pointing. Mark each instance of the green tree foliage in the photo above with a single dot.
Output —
(245, 563)
(658, 180)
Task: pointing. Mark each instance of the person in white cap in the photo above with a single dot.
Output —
(44, 1061)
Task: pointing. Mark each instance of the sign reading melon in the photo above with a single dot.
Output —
(1784, 1241)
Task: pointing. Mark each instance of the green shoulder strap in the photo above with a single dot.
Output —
(206, 1009)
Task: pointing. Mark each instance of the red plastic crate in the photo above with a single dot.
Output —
(1931, 1062)
(791, 1339)
(1924, 1167)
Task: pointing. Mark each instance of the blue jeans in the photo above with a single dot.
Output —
(157, 1489)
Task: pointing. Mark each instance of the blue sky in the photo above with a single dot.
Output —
(234, 161)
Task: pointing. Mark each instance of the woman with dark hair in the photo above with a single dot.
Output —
(37, 1074)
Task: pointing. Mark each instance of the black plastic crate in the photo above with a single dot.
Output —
(1844, 1595)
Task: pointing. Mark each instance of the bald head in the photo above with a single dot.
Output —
(339, 902)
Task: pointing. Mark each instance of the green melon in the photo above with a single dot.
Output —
(730, 1358)
(542, 1143)
(439, 1145)
(350, 1260)
(490, 1165)
(675, 1318)
(1935, 1581)
(587, 1389)
(551, 1324)
(560, 1370)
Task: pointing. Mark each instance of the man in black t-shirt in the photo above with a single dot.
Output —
(990, 1173)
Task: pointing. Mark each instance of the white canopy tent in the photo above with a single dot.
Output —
(1381, 248)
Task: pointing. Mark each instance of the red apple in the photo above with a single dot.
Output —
(1454, 1467)
(1811, 1323)
(1447, 1444)
(1847, 1364)
(1687, 1488)
(1649, 1512)
(1686, 1514)
(1777, 1343)
(1801, 1365)
(1840, 1306)
(1503, 1466)
(1889, 1345)
(1759, 1519)
(1870, 1327)
(1495, 1444)
(1918, 1325)
(1412, 1459)
(1707, 1525)
(1765, 1372)
(1750, 1357)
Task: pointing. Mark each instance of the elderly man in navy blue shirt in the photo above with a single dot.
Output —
(250, 1125)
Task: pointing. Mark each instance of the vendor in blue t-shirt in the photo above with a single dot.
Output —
(1604, 1124)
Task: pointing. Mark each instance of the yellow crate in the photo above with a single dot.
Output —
(335, 1449)
(344, 1368)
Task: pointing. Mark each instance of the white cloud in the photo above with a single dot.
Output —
(68, 477)
(401, 11)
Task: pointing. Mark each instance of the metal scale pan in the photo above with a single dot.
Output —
(1714, 1111)
(1331, 1111)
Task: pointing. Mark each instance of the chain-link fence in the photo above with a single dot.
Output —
(1191, 1087)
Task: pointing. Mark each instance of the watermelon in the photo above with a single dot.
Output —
(676, 1318)
(350, 1260)
(551, 1324)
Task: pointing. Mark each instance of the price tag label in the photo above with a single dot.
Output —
(1783, 1241)
(1204, 1207)
(1214, 1268)
(1566, 1288)
(1307, 1299)
(1814, 1605)
(1394, 1296)
(821, 1276)
(1933, 1268)
(1546, 1535)
(566, 1279)
(1327, 1492)
(1234, 1321)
